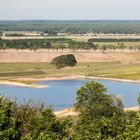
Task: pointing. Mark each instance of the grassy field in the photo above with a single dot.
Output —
(126, 44)
(11, 71)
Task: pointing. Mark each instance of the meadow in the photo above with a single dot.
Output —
(13, 71)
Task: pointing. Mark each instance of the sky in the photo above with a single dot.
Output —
(70, 9)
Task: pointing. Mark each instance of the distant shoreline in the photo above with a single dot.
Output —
(23, 82)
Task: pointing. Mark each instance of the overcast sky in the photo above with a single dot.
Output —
(69, 9)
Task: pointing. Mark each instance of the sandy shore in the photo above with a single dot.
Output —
(72, 112)
(132, 109)
(22, 84)
(66, 112)
(76, 77)
(50, 78)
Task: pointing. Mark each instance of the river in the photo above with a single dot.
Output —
(61, 94)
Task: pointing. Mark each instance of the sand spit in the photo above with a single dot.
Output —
(74, 77)
(22, 84)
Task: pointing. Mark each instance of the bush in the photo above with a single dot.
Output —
(9, 126)
(64, 60)
(31, 121)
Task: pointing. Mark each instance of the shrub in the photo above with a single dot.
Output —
(31, 121)
(9, 126)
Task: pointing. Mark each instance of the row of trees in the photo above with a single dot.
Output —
(31, 43)
(101, 117)
(58, 43)
(114, 40)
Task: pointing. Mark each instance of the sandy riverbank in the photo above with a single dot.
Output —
(66, 112)
(22, 84)
(72, 112)
(72, 77)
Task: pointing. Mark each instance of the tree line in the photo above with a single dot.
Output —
(56, 43)
(73, 27)
(63, 43)
(114, 40)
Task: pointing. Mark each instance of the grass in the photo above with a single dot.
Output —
(101, 69)
(126, 44)
(12, 67)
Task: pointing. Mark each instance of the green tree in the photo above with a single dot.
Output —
(92, 100)
(64, 60)
(96, 110)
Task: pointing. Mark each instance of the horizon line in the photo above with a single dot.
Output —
(69, 19)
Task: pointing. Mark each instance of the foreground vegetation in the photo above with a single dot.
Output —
(101, 117)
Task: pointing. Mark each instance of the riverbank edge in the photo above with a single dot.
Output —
(74, 77)
(20, 84)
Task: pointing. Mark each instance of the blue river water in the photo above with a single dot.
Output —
(62, 94)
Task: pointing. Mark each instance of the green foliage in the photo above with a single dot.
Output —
(0, 33)
(64, 60)
(92, 100)
(139, 100)
(53, 43)
(114, 40)
(25, 44)
(9, 126)
(101, 116)
(45, 126)
(81, 45)
(113, 128)
(64, 43)
(36, 122)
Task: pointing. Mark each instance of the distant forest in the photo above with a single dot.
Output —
(74, 27)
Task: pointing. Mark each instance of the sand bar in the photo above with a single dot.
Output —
(22, 84)
(72, 77)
